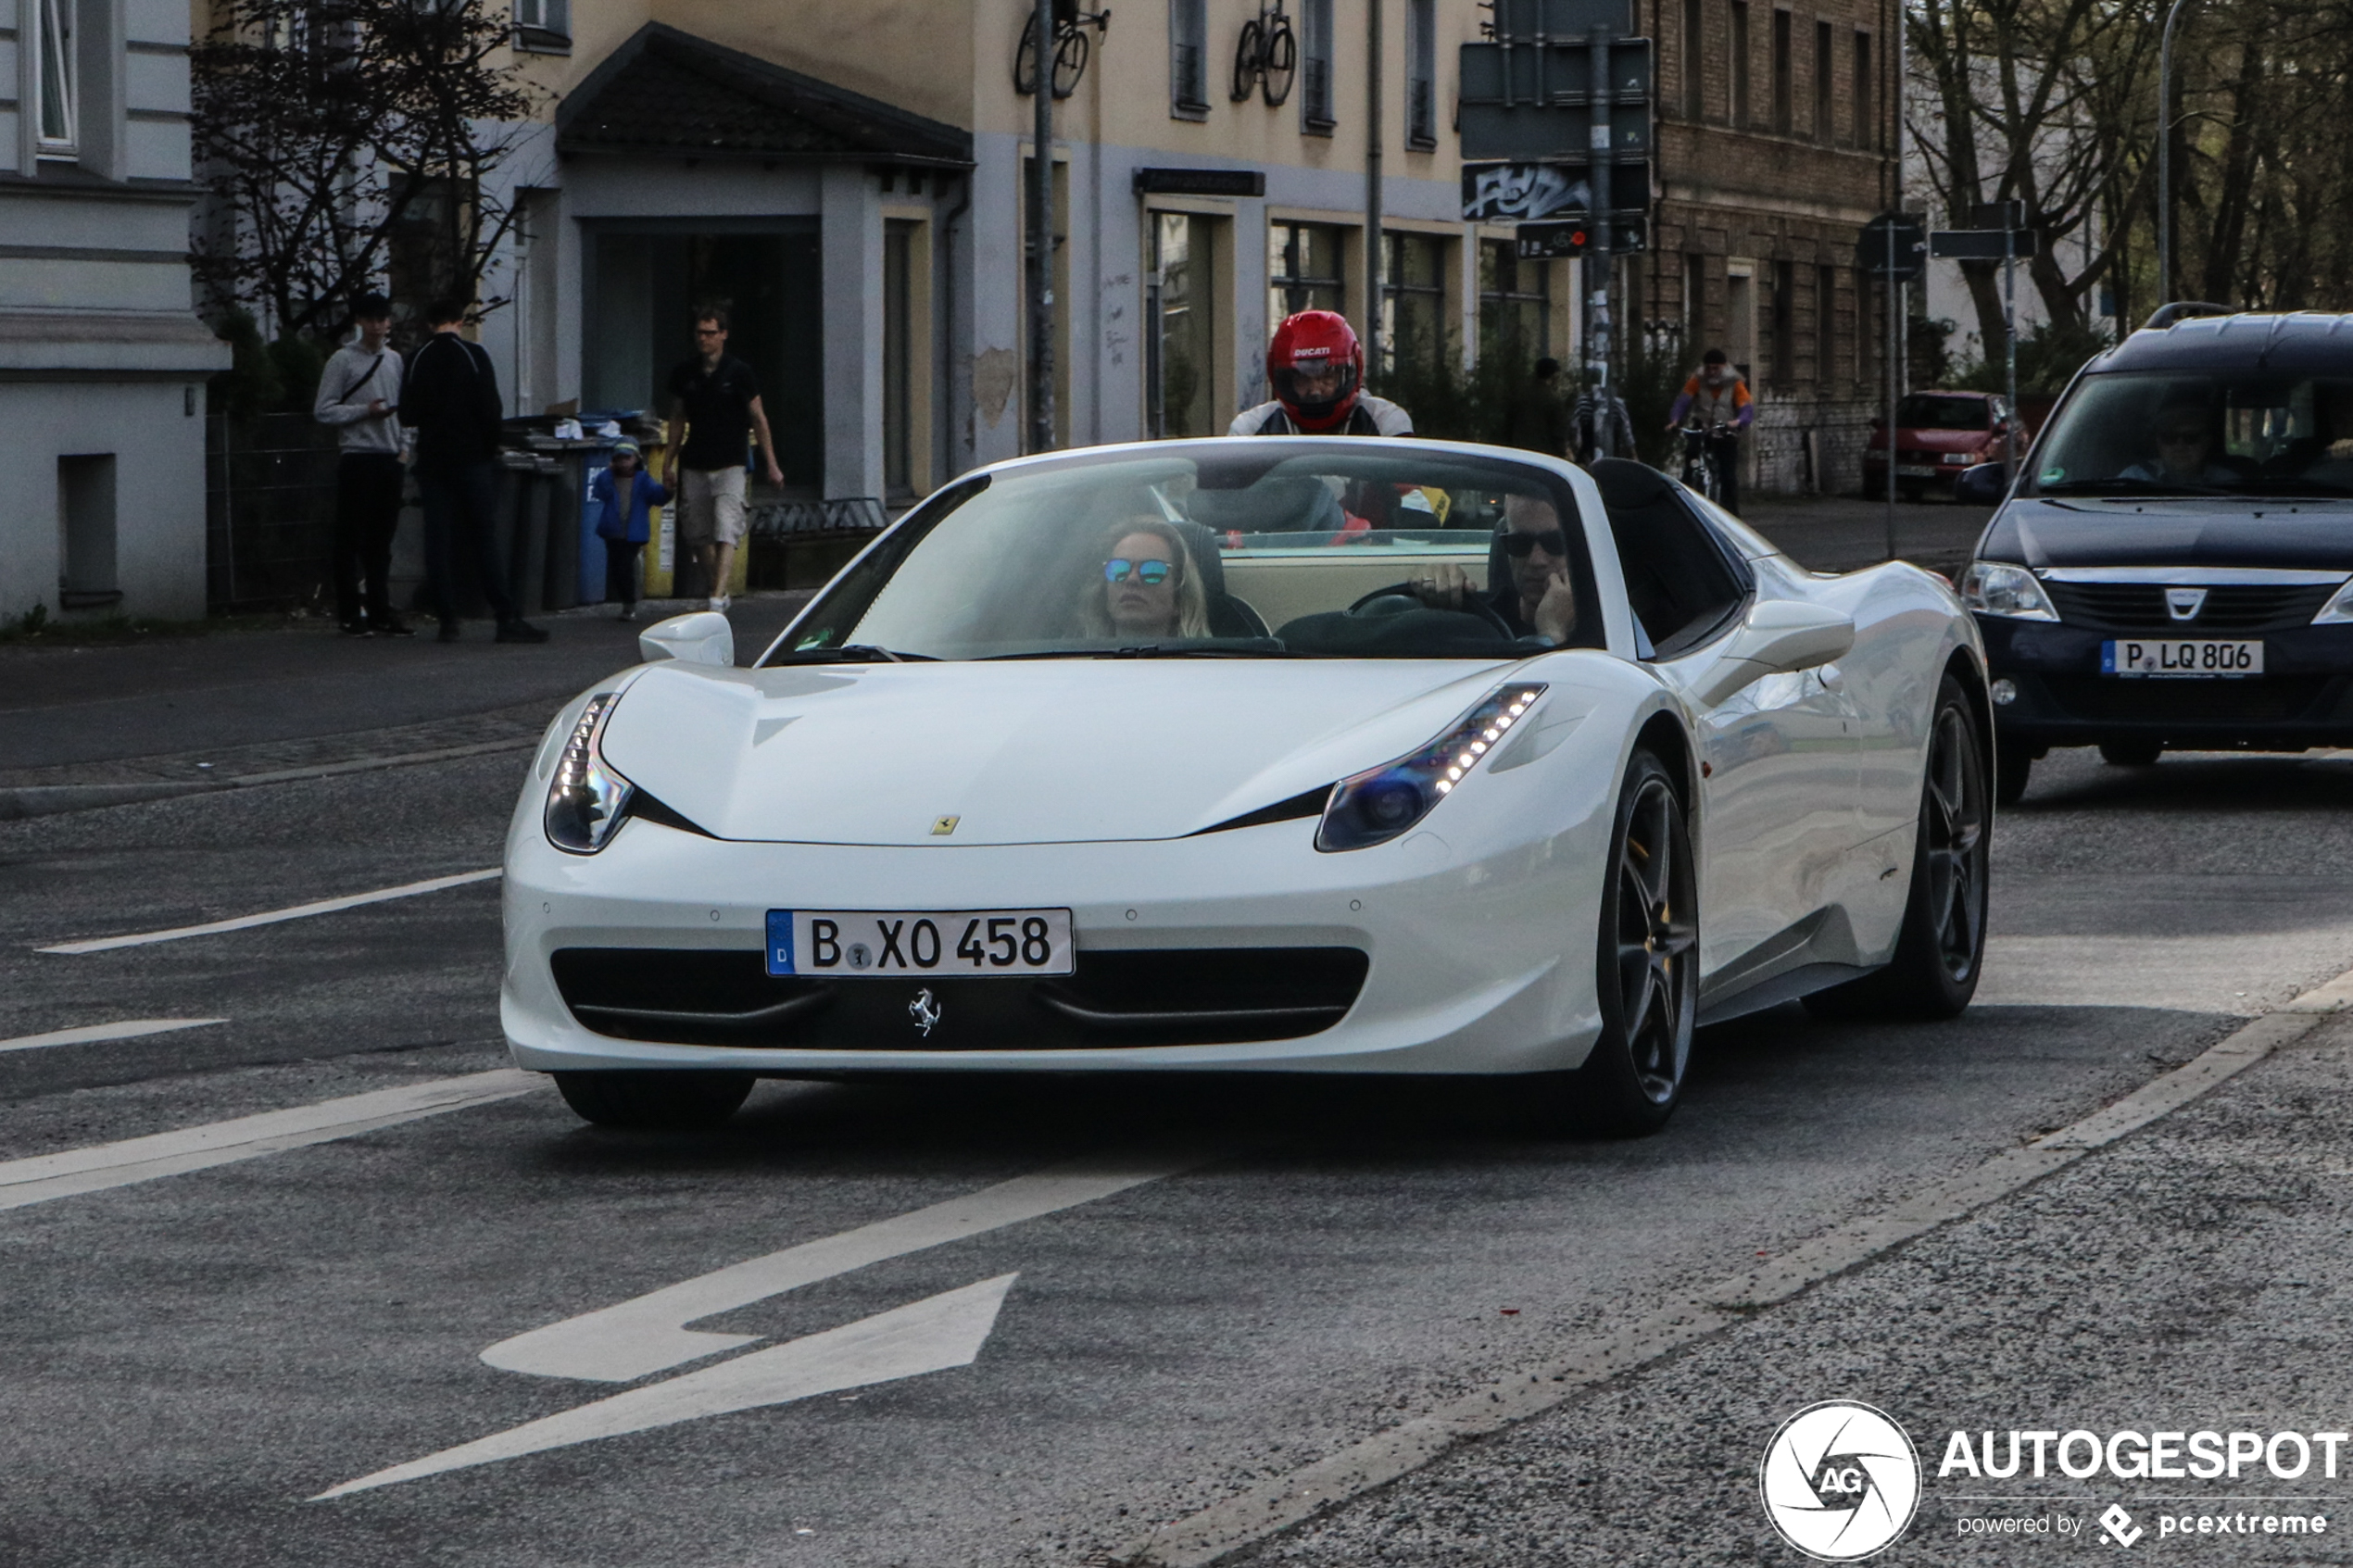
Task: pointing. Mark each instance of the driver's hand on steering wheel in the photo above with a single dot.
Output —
(1443, 587)
(1556, 615)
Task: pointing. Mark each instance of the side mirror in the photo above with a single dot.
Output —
(1981, 485)
(703, 637)
(1779, 637)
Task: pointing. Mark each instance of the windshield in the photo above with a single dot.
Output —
(1934, 411)
(2170, 434)
(1275, 547)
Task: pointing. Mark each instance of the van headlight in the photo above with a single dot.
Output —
(1993, 587)
(1380, 803)
(586, 799)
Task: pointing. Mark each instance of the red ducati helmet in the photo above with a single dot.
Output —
(1306, 345)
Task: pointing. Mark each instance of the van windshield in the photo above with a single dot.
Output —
(2141, 434)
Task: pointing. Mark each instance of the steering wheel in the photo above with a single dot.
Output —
(1471, 604)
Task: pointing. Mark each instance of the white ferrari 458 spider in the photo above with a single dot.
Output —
(1280, 755)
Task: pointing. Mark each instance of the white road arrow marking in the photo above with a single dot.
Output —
(633, 1339)
(932, 1335)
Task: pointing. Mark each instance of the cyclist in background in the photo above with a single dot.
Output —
(1717, 396)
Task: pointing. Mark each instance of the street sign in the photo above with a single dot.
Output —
(1536, 102)
(1541, 242)
(1998, 215)
(1981, 245)
(1910, 254)
(1523, 192)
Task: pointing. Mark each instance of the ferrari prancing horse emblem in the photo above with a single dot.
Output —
(942, 827)
(924, 1011)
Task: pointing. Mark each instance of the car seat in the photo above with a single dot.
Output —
(1228, 617)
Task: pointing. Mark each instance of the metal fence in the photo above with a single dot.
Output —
(269, 505)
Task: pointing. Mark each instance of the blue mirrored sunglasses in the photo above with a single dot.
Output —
(1151, 574)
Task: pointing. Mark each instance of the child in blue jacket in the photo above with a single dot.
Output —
(622, 495)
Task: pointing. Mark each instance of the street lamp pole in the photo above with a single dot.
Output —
(2165, 155)
(1042, 240)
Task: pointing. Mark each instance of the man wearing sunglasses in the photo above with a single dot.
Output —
(1538, 600)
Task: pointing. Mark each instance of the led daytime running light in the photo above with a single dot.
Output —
(585, 797)
(1378, 805)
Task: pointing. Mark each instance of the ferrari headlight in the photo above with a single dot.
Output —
(1993, 587)
(1377, 806)
(2339, 609)
(585, 797)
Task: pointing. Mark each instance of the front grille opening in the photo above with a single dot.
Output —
(1155, 997)
(2256, 699)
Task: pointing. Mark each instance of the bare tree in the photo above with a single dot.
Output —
(344, 139)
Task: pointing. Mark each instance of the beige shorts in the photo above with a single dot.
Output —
(712, 507)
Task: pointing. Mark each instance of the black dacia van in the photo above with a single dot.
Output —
(2173, 564)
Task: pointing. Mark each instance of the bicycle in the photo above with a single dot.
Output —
(1699, 458)
(1266, 58)
(1071, 48)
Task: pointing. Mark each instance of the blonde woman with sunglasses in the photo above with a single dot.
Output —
(1146, 585)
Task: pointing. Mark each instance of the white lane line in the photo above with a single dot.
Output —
(1275, 1504)
(271, 917)
(45, 1176)
(648, 1334)
(933, 1334)
(92, 1034)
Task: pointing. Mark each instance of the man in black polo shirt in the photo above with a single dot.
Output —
(714, 399)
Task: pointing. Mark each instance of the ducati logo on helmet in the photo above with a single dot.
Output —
(1316, 368)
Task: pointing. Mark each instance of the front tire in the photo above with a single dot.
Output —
(2012, 766)
(1646, 966)
(1941, 949)
(2131, 753)
(654, 1100)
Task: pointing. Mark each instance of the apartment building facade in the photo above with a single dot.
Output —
(852, 179)
(1775, 136)
(102, 359)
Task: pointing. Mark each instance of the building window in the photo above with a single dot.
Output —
(1695, 77)
(1694, 300)
(1515, 305)
(1413, 316)
(1187, 59)
(1865, 132)
(1825, 326)
(1304, 270)
(1421, 74)
(544, 26)
(1179, 380)
(1785, 324)
(1316, 68)
(1782, 66)
(1825, 76)
(1867, 315)
(1740, 65)
(57, 80)
(899, 363)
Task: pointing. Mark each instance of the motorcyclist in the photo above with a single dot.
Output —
(1714, 396)
(1315, 368)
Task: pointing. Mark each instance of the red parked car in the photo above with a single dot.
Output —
(1937, 435)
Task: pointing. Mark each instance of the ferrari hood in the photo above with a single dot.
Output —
(1029, 752)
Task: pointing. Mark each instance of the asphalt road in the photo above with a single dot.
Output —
(186, 1361)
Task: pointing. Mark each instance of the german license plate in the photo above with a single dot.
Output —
(854, 943)
(1916, 471)
(2182, 658)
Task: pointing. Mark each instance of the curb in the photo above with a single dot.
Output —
(1221, 1531)
(42, 800)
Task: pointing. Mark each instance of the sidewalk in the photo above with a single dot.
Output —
(97, 726)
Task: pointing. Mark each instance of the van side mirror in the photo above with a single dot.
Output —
(704, 637)
(1982, 484)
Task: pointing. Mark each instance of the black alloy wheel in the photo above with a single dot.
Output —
(1941, 950)
(656, 1100)
(1647, 969)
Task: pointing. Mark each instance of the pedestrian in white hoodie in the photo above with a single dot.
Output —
(359, 393)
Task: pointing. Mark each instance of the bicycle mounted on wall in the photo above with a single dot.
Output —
(1266, 58)
(1071, 47)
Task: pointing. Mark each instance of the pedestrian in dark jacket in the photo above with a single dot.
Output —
(358, 395)
(620, 496)
(450, 400)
